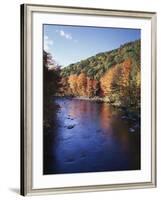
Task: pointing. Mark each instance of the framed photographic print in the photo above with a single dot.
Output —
(88, 99)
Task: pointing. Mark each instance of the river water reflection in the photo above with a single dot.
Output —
(88, 136)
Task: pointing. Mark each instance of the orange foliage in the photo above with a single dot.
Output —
(72, 80)
(116, 78)
(126, 68)
(92, 87)
(106, 81)
(82, 84)
(115, 81)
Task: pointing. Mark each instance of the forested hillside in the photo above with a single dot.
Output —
(112, 76)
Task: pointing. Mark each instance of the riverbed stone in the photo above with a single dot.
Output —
(70, 126)
(131, 130)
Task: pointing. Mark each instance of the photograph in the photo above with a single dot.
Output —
(91, 99)
(88, 99)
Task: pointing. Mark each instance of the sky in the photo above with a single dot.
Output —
(70, 44)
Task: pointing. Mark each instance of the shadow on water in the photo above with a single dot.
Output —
(86, 136)
(50, 125)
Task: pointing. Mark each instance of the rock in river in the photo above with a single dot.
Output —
(124, 117)
(70, 126)
(131, 130)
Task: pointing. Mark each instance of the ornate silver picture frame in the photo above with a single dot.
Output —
(33, 179)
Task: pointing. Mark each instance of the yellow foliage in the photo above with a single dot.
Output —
(82, 84)
(107, 80)
(116, 78)
(138, 79)
(72, 80)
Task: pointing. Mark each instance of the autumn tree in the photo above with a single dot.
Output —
(82, 84)
(106, 82)
(72, 80)
(113, 75)
(89, 87)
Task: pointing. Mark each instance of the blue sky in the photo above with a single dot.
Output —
(70, 44)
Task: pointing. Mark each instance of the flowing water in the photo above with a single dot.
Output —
(88, 136)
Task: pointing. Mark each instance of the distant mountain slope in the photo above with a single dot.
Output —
(113, 76)
(95, 66)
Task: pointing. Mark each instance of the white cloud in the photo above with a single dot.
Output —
(48, 43)
(64, 34)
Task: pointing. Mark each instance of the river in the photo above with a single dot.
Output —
(88, 136)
